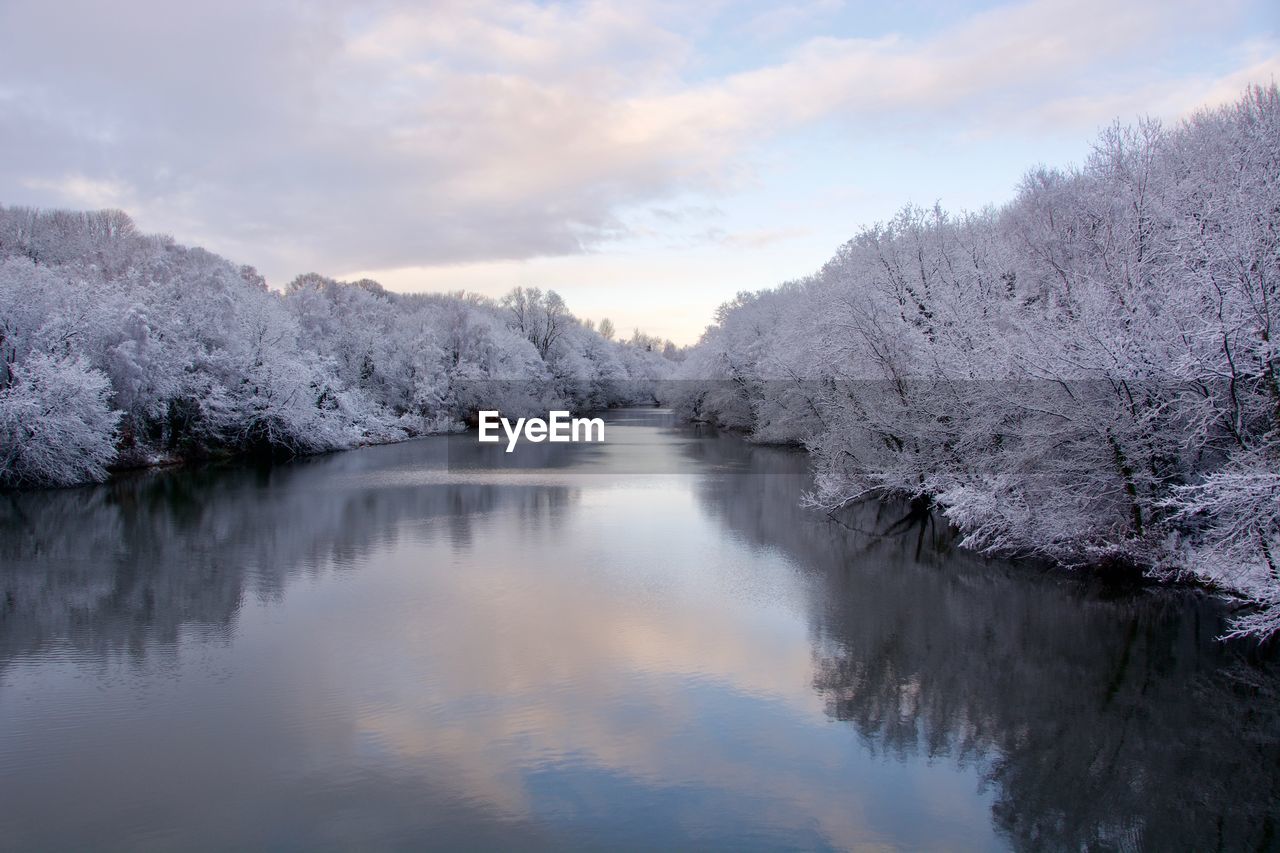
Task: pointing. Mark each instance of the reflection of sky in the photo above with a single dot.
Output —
(614, 668)
(592, 674)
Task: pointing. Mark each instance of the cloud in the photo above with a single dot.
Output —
(779, 21)
(84, 192)
(761, 238)
(338, 136)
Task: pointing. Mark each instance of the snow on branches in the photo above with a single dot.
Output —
(1090, 372)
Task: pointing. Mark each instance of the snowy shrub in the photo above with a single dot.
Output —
(55, 425)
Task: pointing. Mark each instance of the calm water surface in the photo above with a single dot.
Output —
(643, 644)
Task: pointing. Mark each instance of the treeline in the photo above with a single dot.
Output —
(118, 348)
(1089, 372)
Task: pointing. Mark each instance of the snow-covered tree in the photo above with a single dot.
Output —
(55, 425)
(1088, 373)
(121, 349)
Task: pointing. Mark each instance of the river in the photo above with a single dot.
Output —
(646, 643)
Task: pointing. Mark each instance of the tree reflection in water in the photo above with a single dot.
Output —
(1099, 720)
(1103, 720)
(128, 565)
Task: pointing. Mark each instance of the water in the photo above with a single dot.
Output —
(642, 644)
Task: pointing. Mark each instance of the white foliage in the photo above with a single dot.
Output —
(1089, 373)
(55, 424)
(118, 348)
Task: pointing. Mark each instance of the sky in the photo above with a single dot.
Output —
(646, 159)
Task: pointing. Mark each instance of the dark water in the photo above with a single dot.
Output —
(646, 644)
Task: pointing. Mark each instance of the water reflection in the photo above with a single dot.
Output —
(425, 643)
(128, 565)
(1101, 720)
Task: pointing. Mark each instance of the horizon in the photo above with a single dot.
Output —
(647, 162)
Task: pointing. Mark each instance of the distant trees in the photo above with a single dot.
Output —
(540, 317)
(651, 343)
(118, 348)
(1088, 373)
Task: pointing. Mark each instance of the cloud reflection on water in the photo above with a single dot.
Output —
(373, 646)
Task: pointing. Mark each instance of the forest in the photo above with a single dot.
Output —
(1088, 373)
(119, 349)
